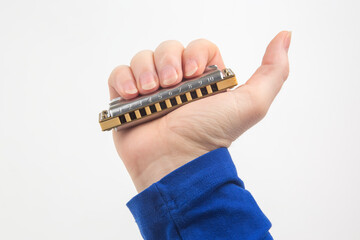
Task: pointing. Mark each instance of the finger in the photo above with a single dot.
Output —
(266, 82)
(167, 58)
(122, 83)
(199, 54)
(143, 67)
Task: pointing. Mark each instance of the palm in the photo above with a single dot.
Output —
(208, 124)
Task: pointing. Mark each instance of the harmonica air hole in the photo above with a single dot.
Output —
(214, 87)
(193, 95)
(152, 108)
(142, 112)
(173, 101)
(132, 115)
(183, 98)
(163, 105)
(122, 119)
(203, 90)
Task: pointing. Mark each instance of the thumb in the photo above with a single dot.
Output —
(263, 86)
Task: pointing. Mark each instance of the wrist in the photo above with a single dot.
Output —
(162, 165)
(172, 152)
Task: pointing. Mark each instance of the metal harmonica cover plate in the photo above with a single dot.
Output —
(126, 113)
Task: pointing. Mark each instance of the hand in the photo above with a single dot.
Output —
(153, 149)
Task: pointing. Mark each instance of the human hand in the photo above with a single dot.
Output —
(153, 149)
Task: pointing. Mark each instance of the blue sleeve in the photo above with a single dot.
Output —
(204, 199)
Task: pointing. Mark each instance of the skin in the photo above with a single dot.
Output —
(154, 149)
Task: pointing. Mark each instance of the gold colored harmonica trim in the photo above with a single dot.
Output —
(137, 114)
(127, 117)
(168, 103)
(110, 123)
(147, 110)
(157, 106)
(178, 100)
(188, 96)
(226, 83)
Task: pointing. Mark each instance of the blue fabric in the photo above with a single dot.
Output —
(204, 199)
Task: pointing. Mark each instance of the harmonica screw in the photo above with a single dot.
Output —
(226, 72)
(103, 115)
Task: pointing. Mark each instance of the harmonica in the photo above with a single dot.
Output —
(128, 113)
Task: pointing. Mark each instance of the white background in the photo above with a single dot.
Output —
(60, 177)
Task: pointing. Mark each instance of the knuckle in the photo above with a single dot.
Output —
(281, 70)
(203, 49)
(169, 43)
(202, 42)
(285, 72)
(167, 58)
(168, 52)
(141, 54)
(118, 72)
(267, 70)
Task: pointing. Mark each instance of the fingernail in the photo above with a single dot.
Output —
(169, 75)
(147, 80)
(287, 41)
(190, 68)
(130, 88)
